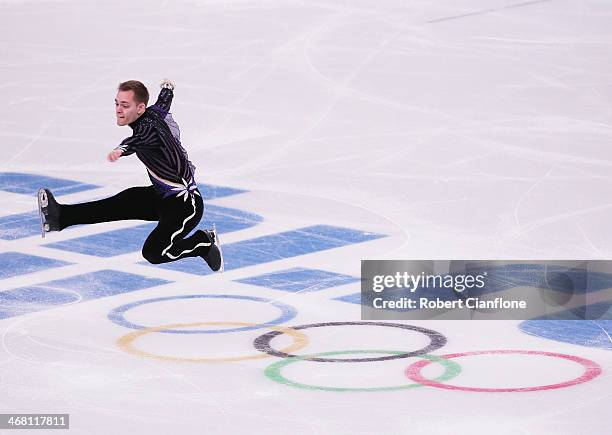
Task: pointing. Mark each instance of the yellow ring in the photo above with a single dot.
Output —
(300, 341)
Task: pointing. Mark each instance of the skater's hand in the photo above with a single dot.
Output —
(114, 155)
(168, 84)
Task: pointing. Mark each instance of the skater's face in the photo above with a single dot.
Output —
(126, 109)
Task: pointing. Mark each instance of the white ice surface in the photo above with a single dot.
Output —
(460, 128)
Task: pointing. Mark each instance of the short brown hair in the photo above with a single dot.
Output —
(141, 94)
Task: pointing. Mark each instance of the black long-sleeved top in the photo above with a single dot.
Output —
(156, 142)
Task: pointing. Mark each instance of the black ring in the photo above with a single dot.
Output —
(262, 343)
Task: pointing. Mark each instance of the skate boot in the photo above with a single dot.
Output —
(214, 255)
(49, 211)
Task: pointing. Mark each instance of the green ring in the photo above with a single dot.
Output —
(273, 371)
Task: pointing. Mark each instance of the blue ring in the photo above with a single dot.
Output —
(118, 314)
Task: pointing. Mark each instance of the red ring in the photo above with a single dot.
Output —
(592, 370)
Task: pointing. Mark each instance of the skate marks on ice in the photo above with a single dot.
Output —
(79, 288)
(28, 184)
(300, 279)
(17, 263)
(590, 333)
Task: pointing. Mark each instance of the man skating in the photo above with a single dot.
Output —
(172, 199)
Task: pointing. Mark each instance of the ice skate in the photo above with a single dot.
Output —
(49, 211)
(214, 256)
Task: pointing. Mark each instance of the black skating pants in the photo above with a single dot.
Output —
(176, 218)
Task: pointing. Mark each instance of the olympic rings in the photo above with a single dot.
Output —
(273, 371)
(125, 343)
(592, 370)
(300, 341)
(287, 313)
(262, 343)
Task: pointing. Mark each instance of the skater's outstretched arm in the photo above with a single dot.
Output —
(164, 100)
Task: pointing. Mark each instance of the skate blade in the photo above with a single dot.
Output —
(43, 201)
(218, 243)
